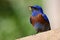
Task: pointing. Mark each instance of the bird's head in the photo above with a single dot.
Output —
(37, 8)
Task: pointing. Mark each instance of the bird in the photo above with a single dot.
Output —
(39, 19)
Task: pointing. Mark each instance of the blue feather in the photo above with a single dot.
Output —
(45, 17)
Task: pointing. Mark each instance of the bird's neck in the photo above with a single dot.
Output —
(35, 12)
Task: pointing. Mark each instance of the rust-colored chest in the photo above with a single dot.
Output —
(39, 18)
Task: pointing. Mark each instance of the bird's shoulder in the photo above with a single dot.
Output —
(45, 18)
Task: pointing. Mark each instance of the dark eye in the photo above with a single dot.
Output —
(35, 8)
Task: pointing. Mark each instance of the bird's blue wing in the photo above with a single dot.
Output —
(45, 17)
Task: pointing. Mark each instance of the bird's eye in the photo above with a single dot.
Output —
(35, 9)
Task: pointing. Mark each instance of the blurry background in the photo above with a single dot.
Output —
(14, 17)
(52, 9)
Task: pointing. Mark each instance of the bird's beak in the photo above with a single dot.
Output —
(30, 8)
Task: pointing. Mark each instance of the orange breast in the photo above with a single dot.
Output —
(39, 18)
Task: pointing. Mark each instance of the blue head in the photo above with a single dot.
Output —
(36, 10)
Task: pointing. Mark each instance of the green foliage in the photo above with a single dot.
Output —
(14, 18)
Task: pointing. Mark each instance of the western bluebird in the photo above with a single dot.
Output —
(39, 20)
